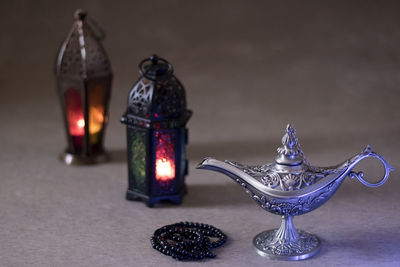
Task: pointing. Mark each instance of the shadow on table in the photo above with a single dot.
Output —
(379, 244)
(117, 155)
(207, 195)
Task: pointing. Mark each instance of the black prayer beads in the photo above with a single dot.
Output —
(187, 240)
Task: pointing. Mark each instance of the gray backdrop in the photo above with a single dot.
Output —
(332, 68)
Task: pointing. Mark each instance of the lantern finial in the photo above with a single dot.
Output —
(80, 14)
(154, 59)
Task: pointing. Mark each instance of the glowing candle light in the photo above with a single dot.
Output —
(76, 126)
(96, 120)
(74, 112)
(165, 169)
(81, 123)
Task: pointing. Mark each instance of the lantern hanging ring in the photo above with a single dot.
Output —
(161, 73)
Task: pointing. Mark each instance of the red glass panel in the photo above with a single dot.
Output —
(74, 111)
(165, 156)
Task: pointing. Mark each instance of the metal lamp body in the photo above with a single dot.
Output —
(84, 78)
(290, 187)
(156, 120)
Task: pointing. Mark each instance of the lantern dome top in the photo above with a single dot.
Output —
(158, 98)
(81, 54)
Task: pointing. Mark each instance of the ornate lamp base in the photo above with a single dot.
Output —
(286, 243)
(71, 159)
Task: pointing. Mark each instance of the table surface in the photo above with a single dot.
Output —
(332, 69)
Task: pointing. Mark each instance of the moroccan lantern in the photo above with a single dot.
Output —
(84, 78)
(156, 119)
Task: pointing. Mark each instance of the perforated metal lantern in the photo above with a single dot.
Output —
(156, 118)
(84, 78)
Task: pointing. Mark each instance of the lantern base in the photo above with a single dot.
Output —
(150, 201)
(71, 159)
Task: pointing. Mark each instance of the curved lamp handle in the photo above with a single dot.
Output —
(360, 175)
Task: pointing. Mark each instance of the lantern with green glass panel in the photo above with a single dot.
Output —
(84, 78)
(156, 119)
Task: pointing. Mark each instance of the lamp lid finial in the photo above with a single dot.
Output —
(290, 153)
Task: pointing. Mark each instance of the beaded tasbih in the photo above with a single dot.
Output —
(187, 240)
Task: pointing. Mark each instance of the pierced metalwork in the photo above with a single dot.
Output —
(290, 187)
(82, 54)
(139, 100)
(167, 101)
(170, 100)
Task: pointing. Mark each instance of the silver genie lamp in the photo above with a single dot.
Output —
(288, 187)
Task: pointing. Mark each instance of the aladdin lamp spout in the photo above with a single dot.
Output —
(288, 187)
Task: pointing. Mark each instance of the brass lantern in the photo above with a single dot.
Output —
(84, 79)
(156, 119)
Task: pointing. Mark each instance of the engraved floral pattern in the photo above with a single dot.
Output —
(306, 243)
(295, 206)
(284, 181)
